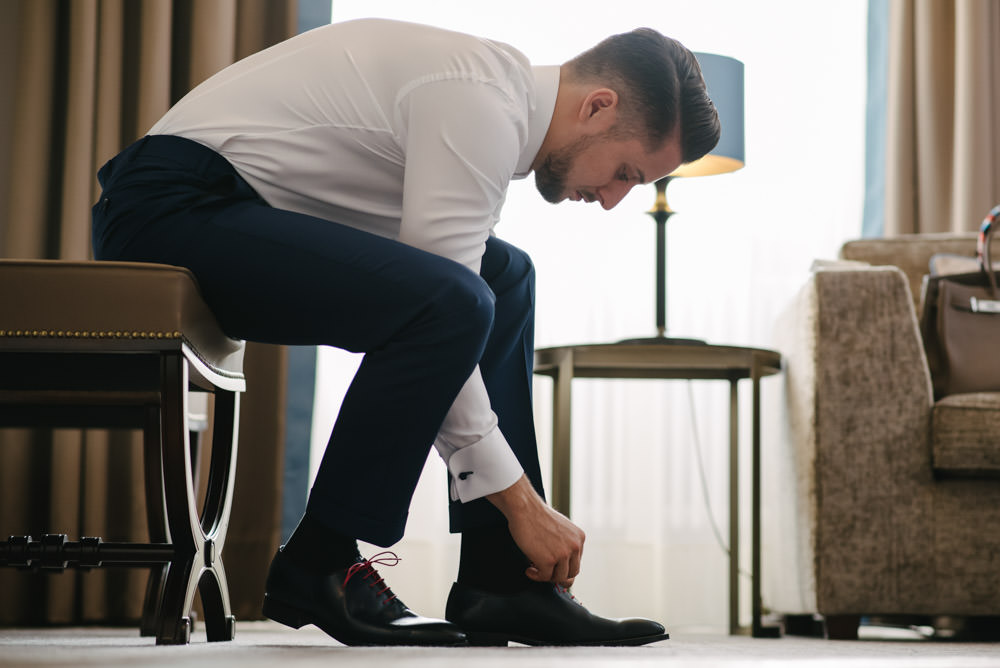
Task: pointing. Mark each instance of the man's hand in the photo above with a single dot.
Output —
(552, 543)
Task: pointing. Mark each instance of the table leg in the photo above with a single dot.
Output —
(758, 630)
(734, 509)
(562, 404)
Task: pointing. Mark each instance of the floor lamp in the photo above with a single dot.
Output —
(724, 81)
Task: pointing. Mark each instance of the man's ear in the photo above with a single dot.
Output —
(599, 105)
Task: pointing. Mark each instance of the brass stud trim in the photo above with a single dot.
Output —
(78, 334)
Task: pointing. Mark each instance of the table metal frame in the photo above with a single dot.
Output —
(667, 361)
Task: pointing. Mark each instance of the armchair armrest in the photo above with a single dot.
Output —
(856, 444)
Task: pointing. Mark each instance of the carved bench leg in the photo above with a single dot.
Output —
(156, 515)
(220, 624)
(219, 621)
(183, 572)
(197, 540)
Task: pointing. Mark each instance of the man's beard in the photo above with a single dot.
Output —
(550, 177)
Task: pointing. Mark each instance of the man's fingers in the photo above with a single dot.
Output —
(552, 543)
(574, 564)
(532, 573)
(538, 574)
(560, 572)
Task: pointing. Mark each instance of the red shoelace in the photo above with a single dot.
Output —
(564, 590)
(367, 569)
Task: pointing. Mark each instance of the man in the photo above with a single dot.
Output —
(341, 188)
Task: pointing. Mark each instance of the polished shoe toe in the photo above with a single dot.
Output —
(541, 614)
(353, 605)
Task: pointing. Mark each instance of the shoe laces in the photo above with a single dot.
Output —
(367, 570)
(565, 590)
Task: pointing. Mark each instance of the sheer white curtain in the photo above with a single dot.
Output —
(740, 245)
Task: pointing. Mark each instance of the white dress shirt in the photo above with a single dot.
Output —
(403, 130)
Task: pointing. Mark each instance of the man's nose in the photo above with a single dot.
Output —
(613, 194)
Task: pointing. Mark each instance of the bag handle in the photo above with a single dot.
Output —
(983, 248)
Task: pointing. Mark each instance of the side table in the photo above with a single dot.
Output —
(669, 361)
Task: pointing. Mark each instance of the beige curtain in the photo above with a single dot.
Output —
(80, 81)
(943, 150)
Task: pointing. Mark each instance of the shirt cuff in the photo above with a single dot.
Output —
(483, 468)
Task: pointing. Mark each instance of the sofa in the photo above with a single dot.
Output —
(878, 501)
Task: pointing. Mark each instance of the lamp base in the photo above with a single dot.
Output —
(662, 340)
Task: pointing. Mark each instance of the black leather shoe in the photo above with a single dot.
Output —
(542, 614)
(354, 605)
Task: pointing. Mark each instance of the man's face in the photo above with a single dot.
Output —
(597, 168)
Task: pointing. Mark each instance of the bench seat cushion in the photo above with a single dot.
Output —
(58, 305)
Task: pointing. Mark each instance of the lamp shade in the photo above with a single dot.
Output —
(724, 81)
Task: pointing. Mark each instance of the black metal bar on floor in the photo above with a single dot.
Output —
(54, 552)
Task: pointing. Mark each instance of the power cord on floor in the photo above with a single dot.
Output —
(706, 496)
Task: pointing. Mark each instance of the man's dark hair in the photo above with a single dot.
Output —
(660, 87)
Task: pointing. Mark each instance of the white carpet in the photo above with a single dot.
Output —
(269, 644)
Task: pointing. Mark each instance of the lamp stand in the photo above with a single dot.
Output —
(661, 212)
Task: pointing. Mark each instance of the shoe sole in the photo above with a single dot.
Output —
(284, 614)
(289, 615)
(483, 639)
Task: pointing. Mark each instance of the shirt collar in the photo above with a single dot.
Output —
(546, 87)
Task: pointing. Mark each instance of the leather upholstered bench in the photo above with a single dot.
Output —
(121, 345)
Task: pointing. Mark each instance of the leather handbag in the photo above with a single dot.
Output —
(960, 324)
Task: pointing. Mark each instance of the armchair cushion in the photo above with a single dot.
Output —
(966, 435)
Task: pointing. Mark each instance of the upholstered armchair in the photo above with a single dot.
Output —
(877, 499)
